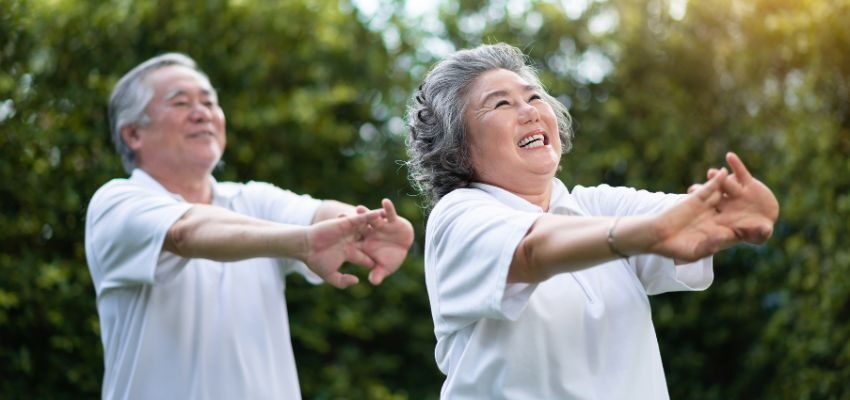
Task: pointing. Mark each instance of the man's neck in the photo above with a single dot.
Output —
(194, 188)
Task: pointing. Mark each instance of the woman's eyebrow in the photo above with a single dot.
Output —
(502, 93)
(494, 94)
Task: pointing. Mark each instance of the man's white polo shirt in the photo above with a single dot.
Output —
(178, 328)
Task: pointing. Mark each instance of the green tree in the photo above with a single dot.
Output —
(314, 92)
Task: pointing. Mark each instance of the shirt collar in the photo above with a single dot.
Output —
(220, 192)
(560, 202)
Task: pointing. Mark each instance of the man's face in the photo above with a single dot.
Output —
(186, 128)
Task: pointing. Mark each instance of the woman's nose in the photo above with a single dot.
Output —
(528, 113)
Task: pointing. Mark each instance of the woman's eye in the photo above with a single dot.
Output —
(502, 103)
(535, 97)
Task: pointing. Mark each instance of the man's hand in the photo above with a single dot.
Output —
(386, 241)
(332, 242)
(748, 207)
(375, 239)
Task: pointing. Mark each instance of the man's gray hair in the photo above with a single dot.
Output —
(439, 154)
(130, 97)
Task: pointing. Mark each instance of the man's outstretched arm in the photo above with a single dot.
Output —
(215, 233)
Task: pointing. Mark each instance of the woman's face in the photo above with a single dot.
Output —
(512, 133)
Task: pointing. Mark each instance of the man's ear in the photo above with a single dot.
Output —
(130, 134)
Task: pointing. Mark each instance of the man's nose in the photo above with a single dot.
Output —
(200, 112)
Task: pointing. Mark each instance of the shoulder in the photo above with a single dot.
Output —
(601, 190)
(621, 200)
(463, 200)
(120, 189)
(268, 201)
(250, 191)
(463, 195)
(253, 188)
(466, 211)
(127, 199)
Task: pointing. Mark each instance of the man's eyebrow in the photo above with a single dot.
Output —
(179, 92)
(502, 93)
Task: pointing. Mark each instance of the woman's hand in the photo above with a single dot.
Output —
(692, 229)
(748, 207)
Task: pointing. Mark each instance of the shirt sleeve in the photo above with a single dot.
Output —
(470, 243)
(275, 204)
(658, 274)
(125, 229)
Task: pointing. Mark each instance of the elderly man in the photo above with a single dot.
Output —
(189, 272)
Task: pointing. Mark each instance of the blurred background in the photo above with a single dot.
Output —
(315, 93)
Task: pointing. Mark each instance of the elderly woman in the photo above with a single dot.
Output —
(536, 291)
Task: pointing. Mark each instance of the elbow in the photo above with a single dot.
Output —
(525, 266)
(177, 237)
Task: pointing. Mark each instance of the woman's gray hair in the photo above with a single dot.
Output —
(130, 97)
(439, 155)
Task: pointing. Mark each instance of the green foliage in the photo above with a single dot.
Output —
(314, 93)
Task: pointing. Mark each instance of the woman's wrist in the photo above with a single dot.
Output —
(612, 245)
(633, 235)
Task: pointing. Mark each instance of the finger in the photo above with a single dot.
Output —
(358, 226)
(712, 185)
(356, 222)
(371, 215)
(732, 187)
(764, 232)
(381, 272)
(340, 280)
(358, 257)
(717, 241)
(694, 188)
(714, 199)
(738, 168)
(374, 217)
(389, 208)
(377, 275)
(711, 173)
(365, 232)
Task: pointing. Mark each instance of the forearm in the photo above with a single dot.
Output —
(219, 234)
(557, 244)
